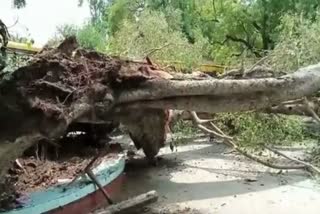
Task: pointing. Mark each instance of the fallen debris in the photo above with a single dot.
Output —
(215, 131)
(132, 204)
(41, 175)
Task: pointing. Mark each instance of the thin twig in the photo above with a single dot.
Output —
(268, 164)
(198, 122)
(211, 132)
(84, 171)
(297, 101)
(308, 166)
(255, 65)
(152, 51)
(219, 130)
(54, 86)
(68, 96)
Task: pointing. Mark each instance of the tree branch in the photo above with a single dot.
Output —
(152, 51)
(228, 140)
(251, 93)
(245, 43)
(308, 166)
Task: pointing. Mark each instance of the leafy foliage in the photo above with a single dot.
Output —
(298, 44)
(91, 38)
(137, 38)
(232, 28)
(88, 36)
(254, 129)
(183, 130)
(246, 28)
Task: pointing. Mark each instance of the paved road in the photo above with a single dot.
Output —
(207, 178)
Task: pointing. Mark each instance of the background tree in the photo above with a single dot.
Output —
(151, 32)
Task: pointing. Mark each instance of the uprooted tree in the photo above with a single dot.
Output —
(62, 87)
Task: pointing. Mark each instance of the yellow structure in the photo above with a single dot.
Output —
(22, 47)
(29, 48)
(206, 68)
(212, 68)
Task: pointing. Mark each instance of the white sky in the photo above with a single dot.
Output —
(40, 17)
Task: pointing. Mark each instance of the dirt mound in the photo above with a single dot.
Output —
(63, 84)
(34, 175)
(37, 175)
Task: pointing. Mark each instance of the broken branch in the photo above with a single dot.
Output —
(308, 166)
(228, 140)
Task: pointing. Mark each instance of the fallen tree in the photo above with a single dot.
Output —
(68, 85)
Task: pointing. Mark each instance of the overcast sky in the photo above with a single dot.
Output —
(40, 17)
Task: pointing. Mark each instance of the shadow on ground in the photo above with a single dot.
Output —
(191, 174)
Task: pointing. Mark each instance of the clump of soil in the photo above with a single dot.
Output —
(38, 175)
(47, 163)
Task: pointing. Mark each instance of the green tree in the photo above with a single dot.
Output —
(234, 28)
(87, 35)
(298, 43)
(136, 38)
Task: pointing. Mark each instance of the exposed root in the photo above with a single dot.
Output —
(17, 162)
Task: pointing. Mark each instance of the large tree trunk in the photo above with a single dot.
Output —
(66, 85)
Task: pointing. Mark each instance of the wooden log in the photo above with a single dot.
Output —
(131, 204)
